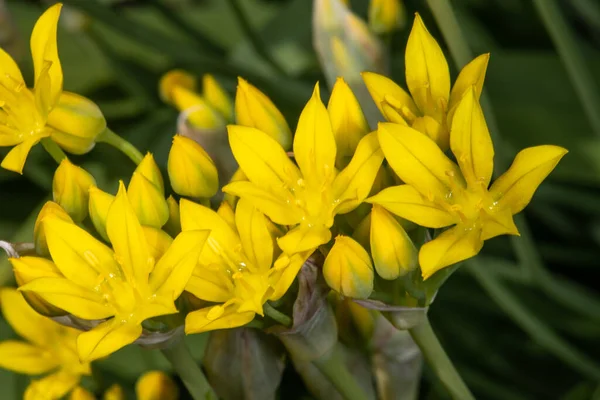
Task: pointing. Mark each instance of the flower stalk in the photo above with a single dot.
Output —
(277, 315)
(116, 141)
(332, 366)
(188, 370)
(53, 149)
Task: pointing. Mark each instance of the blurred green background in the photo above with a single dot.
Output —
(523, 320)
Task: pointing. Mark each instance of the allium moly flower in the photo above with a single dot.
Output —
(29, 115)
(432, 104)
(236, 267)
(307, 196)
(70, 187)
(47, 348)
(125, 285)
(156, 385)
(439, 193)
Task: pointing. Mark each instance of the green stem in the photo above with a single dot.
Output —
(116, 141)
(277, 315)
(333, 367)
(438, 361)
(566, 44)
(53, 149)
(255, 40)
(188, 370)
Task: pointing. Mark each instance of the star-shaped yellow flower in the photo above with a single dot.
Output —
(47, 348)
(236, 267)
(307, 196)
(431, 107)
(122, 286)
(439, 193)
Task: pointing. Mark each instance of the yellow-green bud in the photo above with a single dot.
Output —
(254, 109)
(173, 225)
(80, 393)
(191, 170)
(39, 236)
(158, 241)
(70, 189)
(348, 269)
(147, 201)
(76, 122)
(156, 385)
(150, 170)
(386, 16)
(172, 79)
(99, 204)
(217, 97)
(115, 392)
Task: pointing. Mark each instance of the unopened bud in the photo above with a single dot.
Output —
(348, 269)
(70, 189)
(99, 204)
(191, 170)
(156, 385)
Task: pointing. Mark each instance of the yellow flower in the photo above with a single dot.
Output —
(156, 385)
(348, 269)
(236, 266)
(432, 104)
(47, 348)
(386, 16)
(438, 193)
(29, 115)
(191, 170)
(70, 189)
(123, 286)
(147, 194)
(80, 393)
(39, 237)
(255, 110)
(99, 204)
(310, 196)
(115, 392)
(179, 88)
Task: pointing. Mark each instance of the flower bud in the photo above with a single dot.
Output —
(394, 254)
(385, 16)
(99, 204)
(115, 392)
(348, 269)
(150, 170)
(173, 225)
(254, 109)
(147, 201)
(158, 241)
(39, 236)
(156, 385)
(172, 79)
(76, 122)
(217, 97)
(70, 189)
(80, 393)
(191, 170)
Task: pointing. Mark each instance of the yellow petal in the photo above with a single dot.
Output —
(284, 272)
(438, 133)
(472, 74)
(452, 246)
(418, 161)
(216, 317)
(106, 338)
(386, 16)
(27, 323)
(387, 94)
(54, 386)
(150, 171)
(74, 299)
(128, 241)
(171, 80)
(278, 209)
(515, 188)
(174, 269)
(44, 50)
(394, 254)
(156, 385)
(254, 235)
(353, 184)
(191, 170)
(147, 201)
(114, 392)
(471, 143)
(173, 225)
(79, 256)
(201, 114)
(427, 74)
(99, 204)
(76, 121)
(80, 393)
(347, 121)
(25, 358)
(27, 269)
(348, 269)
(498, 222)
(314, 143)
(406, 202)
(226, 213)
(210, 285)
(39, 236)
(158, 241)
(15, 159)
(217, 96)
(9, 68)
(303, 238)
(255, 110)
(70, 189)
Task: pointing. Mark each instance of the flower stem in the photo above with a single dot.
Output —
(188, 370)
(438, 361)
(53, 149)
(116, 141)
(333, 367)
(277, 315)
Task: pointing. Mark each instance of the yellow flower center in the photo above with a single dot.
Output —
(20, 108)
(317, 202)
(468, 203)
